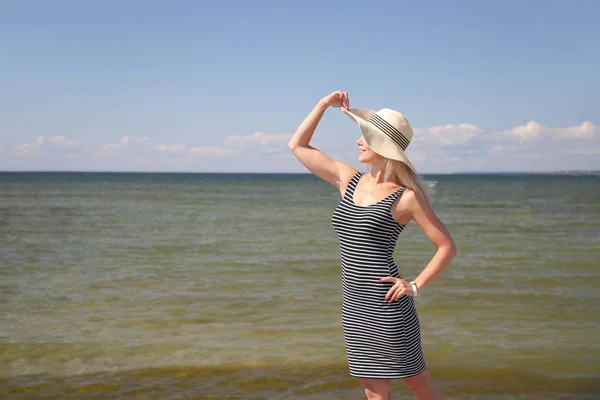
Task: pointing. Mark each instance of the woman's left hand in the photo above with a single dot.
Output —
(400, 287)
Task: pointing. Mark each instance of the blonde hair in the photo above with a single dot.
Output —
(401, 174)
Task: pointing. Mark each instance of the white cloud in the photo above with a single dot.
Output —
(585, 151)
(258, 138)
(283, 157)
(449, 135)
(415, 155)
(525, 133)
(170, 148)
(212, 151)
(24, 150)
(63, 142)
(127, 139)
(529, 147)
(534, 130)
(203, 151)
(584, 131)
(112, 149)
(530, 155)
(268, 144)
(30, 149)
(502, 148)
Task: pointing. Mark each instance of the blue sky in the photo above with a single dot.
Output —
(220, 86)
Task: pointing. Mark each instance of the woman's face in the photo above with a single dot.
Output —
(366, 155)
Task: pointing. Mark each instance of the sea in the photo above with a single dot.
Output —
(228, 286)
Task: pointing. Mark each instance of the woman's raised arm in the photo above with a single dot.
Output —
(317, 162)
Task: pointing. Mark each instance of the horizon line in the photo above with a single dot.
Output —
(564, 171)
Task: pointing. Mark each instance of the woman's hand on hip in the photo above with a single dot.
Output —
(400, 287)
(338, 98)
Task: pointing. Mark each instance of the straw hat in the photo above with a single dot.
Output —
(386, 131)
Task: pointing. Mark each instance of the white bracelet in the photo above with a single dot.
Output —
(414, 288)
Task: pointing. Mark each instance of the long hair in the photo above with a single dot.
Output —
(399, 173)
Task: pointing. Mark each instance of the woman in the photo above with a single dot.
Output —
(381, 327)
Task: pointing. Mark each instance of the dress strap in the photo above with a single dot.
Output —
(352, 184)
(394, 196)
(398, 192)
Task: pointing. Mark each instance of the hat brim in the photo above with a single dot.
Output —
(378, 141)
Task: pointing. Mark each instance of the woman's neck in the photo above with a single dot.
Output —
(377, 172)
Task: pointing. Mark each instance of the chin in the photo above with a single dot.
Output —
(365, 160)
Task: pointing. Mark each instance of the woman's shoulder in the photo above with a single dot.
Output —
(346, 173)
(413, 202)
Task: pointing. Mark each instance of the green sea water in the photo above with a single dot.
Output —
(227, 286)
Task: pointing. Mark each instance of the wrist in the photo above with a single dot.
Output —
(415, 288)
(323, 104)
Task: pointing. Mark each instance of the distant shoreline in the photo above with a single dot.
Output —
(561, 173)
(557, 173)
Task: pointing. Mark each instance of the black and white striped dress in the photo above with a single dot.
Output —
(383, 339)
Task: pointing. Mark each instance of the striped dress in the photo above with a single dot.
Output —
(382, 339)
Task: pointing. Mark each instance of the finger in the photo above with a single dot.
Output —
(400, 293)
(391, 293)
(397, 294)
(388, 279)
(347, 101)
(393, 290)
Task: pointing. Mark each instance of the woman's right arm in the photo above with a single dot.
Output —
(332, 171)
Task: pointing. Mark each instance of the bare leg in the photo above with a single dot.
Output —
(424, 387)
(376, 389)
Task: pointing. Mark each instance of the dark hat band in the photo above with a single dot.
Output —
(390, 131)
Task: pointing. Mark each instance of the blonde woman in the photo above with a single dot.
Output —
(380, 323)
